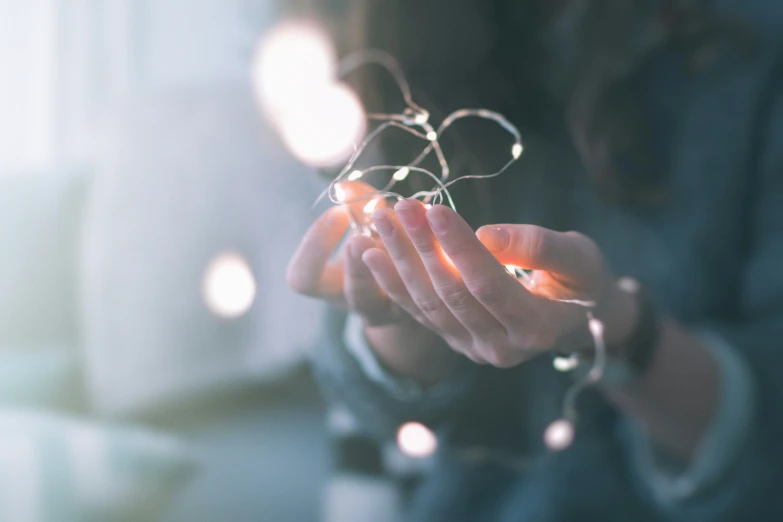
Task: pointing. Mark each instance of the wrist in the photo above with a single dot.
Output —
(408, 349)
(620, 314)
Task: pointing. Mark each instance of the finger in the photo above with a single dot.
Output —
(310, 270)
(445, 278)
(412, 273)
(485, 278)
(537, 248)
(361, 200)
(385, 273)
(360, 288)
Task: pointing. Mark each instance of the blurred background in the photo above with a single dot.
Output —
(152, 360)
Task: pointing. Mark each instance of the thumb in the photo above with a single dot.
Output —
(537, 248)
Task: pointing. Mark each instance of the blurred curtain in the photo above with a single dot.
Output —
(186, 170)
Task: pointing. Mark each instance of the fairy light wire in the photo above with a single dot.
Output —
(415, 120)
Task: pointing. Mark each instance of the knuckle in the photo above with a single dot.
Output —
(534, 242)
(457, 297)
(424, 247)
(486, 292)
(428, 304)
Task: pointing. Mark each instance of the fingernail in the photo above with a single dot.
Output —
(382, 225)
(494, 238)
(438, 221)
(354, 251)
(406, 214)
(367, 259)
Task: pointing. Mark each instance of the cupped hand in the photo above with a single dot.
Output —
(453, 281)
(318, 269)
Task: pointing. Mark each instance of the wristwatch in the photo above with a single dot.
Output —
(638, 350)
(628, 362)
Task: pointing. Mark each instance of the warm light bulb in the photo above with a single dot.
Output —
(629, 285)
(512, 269)
(559, 435)
(371, 206)
(516, 150)
(356, 174)
(339, 193)
(416, 440)
(421, 118)
(401, 174)
(229, 287)
(565, 364)
(596, 327)
(432, 135)
(521, 275)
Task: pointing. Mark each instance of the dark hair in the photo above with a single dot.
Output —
(600, 102)
(609, 128)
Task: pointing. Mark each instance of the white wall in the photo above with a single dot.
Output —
(28, 85)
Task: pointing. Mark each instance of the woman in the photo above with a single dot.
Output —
(654, 131)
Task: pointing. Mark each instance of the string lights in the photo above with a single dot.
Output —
(415, 120)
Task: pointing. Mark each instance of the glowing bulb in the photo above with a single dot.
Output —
(521, 275)
(421, 118)
(559, 435)
(516, 150)
(416, 440)
(565, 364)
(432, 135)
(371, 205)
(356, 174)
(427, 206)
(512, 269)
(628, 285)
(291, 61)
(596, 327)
(339, 193)
(229, 287)
(323, 127)
(401, 174)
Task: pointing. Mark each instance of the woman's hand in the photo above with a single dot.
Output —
(342, 279)
(405, 346)
(453, 282)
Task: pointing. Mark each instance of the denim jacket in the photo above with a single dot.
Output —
(711, 256)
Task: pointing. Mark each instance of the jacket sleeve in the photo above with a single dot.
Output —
(380, 402)
(750, 484)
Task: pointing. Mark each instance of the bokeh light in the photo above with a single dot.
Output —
(292, 60)
(323, 128)
(559, 435)
(416, 440)
(229, 287)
